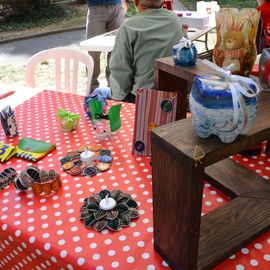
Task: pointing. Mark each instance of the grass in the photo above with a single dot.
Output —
(44, 75)
(39, 17)
(58, 16)
(191, 4)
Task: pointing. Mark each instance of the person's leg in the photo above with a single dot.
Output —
(115, 19)
(130, 98)
(96, 25)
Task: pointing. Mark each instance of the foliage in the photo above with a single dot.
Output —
(19, 7)
(191, 4)
(131, 9)
(38, 17)
(82, 1)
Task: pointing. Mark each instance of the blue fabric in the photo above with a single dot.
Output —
(105, 92)
(102, 2)
(100, 94)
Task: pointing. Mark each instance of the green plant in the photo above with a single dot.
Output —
(38, 17)
(82, 1)
(191, 4)
(131, 8)
(20, 7)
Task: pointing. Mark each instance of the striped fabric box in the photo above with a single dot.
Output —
(153, 108)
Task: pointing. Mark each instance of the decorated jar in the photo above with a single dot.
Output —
(264, 69)
(68, 120)
(236, 39)
(221, 108)
(68, 124)
(185, 53)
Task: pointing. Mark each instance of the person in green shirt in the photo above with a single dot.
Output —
(140, 40)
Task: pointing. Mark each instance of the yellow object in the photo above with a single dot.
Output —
(33, 150)
(6, 151)
(27, 148)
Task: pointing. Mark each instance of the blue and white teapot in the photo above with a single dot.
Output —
(184, 53)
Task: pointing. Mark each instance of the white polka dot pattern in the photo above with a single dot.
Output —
(46, 233)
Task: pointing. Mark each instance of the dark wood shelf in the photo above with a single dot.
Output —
(182, 237)
(235, 180)
(230, 227)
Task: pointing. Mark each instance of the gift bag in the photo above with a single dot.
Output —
(264, 69)
(153, 108)
(236, 38)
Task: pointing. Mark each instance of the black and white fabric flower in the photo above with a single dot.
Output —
(114, 219)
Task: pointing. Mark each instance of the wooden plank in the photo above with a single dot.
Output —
(194, 35)
(235, 180)
(185, 73)
(166, 82)
(176, 208)
(181, 136)
(229, 228)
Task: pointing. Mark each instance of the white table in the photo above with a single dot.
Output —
(100, 43)
(105, 42)
(21, 94)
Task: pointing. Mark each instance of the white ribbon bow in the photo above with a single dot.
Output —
(238, 85)
(183, 43)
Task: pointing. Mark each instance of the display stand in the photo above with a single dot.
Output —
(183, 238)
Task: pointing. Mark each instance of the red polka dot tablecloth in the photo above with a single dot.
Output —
(39, 232)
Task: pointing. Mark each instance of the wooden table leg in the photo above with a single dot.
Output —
(177, 200)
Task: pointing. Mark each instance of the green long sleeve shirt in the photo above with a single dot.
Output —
(140, 40)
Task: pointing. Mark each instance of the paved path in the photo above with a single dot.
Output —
(177, 5)
(20, 51)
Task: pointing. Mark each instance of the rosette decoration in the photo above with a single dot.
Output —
(124, 208)
(68, 120)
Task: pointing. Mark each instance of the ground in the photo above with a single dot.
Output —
(13, 71)
(79, 20)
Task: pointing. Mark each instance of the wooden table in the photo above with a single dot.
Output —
(188, 241)
(196, 34)
(46, 231)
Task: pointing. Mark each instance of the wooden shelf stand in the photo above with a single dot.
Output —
(183, 238)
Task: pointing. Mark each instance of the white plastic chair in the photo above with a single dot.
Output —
(66, 63)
